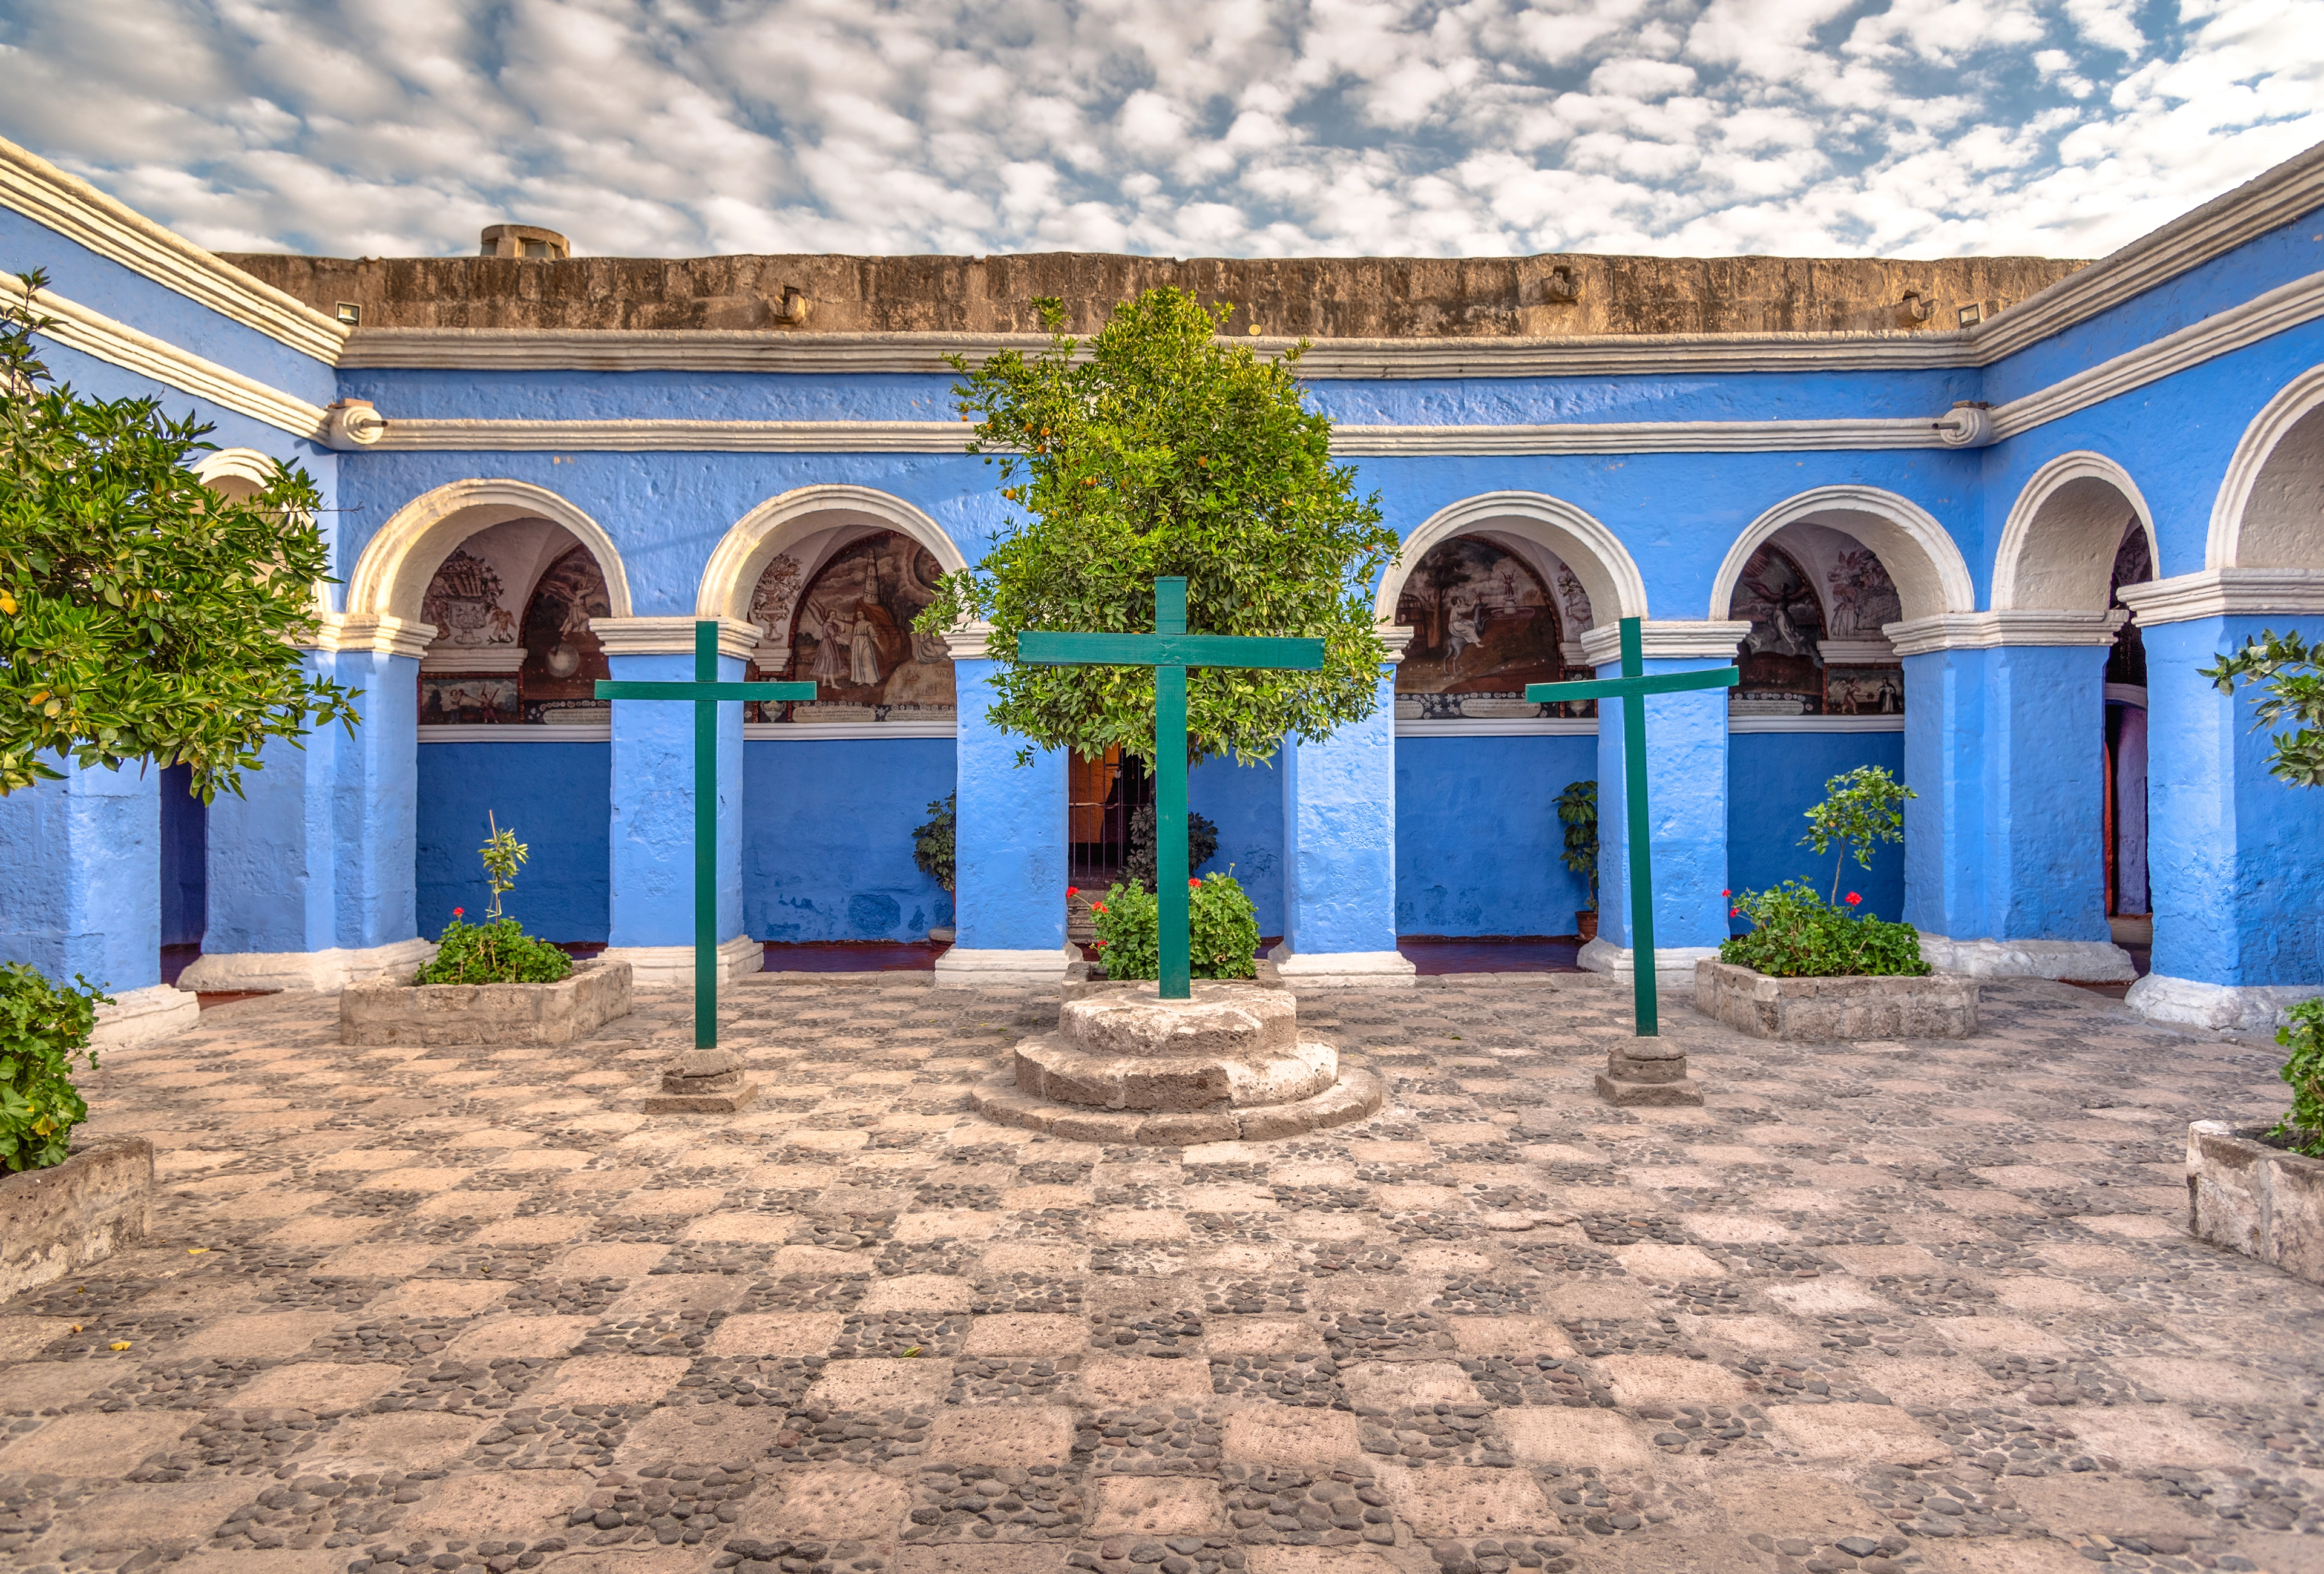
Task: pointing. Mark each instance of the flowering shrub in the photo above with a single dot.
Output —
(1223, 931)
(498, 950)
(2303, 1130)
(1796, 934)
(43, 1027)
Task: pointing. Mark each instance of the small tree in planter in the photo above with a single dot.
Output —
(1577, 810)
(1223, 931)
(44, 1027)
(498, 950)
(1796, 933)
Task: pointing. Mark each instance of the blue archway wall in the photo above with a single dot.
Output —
(1773, 779)
(557, 797)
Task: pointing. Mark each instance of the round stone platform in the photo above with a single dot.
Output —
(1125, 1066)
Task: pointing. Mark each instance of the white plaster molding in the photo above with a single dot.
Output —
(1397, 638)
(753, 541)
(808, 732)
(332, 969)
(2018, 537)
(2125, 694)
(2221, 1007)
(671, 636)
(552, 732)
(2084, 961)
(382, 635)
(2227, 593)
(1500, 726)
(1930, 575)
(442, 658)
(1985, 631)
(80, 212)
(1596, 555)
(978, 969)
(672, 967)
(1673, 640)
(1760, 724)
(647, 434)
(1857, 652)
(231, 470)
(140, 1016)
(392, 574)
(93, 333)
(1637, 437)
(1342, 969)
(1674, 965)
(969, 643)
(2223, 545)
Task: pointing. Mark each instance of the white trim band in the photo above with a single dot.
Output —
(517, 732)
(1499, 726)
(672, 967)
(671, 636)
(979, 969)
(1985, 631)
(2221, 1007)
(140, 1016)
(1674, 639)
(2227, 593)
(2083, 961)
(333, 968)
(1758, 724)
(1342, 969)
(809, 732)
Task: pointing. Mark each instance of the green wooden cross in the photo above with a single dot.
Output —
(705, 693)
(1632, 689)
(1169, 649)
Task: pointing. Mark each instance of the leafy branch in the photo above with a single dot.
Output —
(2285, 668)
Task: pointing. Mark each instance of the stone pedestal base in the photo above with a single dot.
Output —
(1125, 1066)
(1647, 1071)
(704, 1082)
(1617, 1090)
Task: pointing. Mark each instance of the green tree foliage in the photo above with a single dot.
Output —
(1154, 450)
(1577, 810)
(2303, 1130)
(1202, 845)
(142, 613)
(43, 1028)
(1222, 931)
(1860, 810)
(2290, 672)
(1796, 934)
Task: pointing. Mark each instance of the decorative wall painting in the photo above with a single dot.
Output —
(1864, 691)
(562, 659)
(464, 602)
(1783, 670)
(852, 634)
(456, 699)
(1483, 626)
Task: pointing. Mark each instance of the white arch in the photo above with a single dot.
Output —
(2058, 548)
(2283, 478)
(734, 569)
(1930, 574)
(237, 472)
(392, 577)
(1597, 557)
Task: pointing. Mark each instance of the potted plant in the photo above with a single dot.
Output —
(1812, 967)
(489, 983)
(1577, 810)
(63, 1204)
(932, 850)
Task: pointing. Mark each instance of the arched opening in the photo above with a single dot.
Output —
(1821, 693)
(2270, 511)
(510, 732)
(2079, 533)
(1498, 592)
(832, 578)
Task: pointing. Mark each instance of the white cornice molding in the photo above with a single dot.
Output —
(1765, 724)
(671, 436)
(1666, 641)
(473, 659)
(1982, 631)
(93, 333)
(380, 636)
(1857, 652)
(671, 636)
(1639, 436)
(80, 212)
(1499, 726)
(808, 732)
(1397, 638)
(969, 645)
(2227, 593)
(519, 732)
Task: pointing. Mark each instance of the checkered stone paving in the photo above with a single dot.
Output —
(1884, 1307)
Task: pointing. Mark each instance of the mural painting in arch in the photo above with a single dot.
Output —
(849, 632)
(1485, 623)
(511, 607)
(1816, 651)
(2125, 743)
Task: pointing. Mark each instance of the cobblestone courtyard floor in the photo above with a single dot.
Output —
(1880, 1306)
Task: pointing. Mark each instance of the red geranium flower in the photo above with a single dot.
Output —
(458, 911)
(1852, 899)
(1734, 912)
(1727, 893)
(1097, 907)
(1194, 882)
(1073, 890)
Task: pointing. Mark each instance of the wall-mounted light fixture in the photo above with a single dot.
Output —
(348, 313)
(1971, 315)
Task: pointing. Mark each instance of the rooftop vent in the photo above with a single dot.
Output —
(522, 240)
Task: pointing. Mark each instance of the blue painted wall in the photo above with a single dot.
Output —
(1246, 803)
(828, 838)
(554, 796)
(1011, 863)
(1477, 834)
(1773, 779)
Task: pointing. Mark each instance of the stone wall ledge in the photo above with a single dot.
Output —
(2252, 1196)
(54, 1221)
(397, 1012)
(1940, 1005)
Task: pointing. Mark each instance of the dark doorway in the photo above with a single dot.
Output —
(185, 871)
(1102, 794)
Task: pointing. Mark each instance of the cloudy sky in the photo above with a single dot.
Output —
(1173, 127)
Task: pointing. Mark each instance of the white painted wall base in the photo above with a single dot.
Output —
(331, 969)
(139, 1016)
(2225, 1007)
(977, 969)
(672, 967)
(1674, 965)
(1343, 969)
(2084, 961)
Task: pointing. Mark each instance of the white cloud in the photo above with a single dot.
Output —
(1263, 127)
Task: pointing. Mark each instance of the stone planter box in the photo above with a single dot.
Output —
(54, 1221)
(1941, 1005)
(388, 1011)
(2250, 1196)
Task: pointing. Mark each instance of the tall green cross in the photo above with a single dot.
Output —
(1170, 650)
(1632, 687)
(705, 693)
